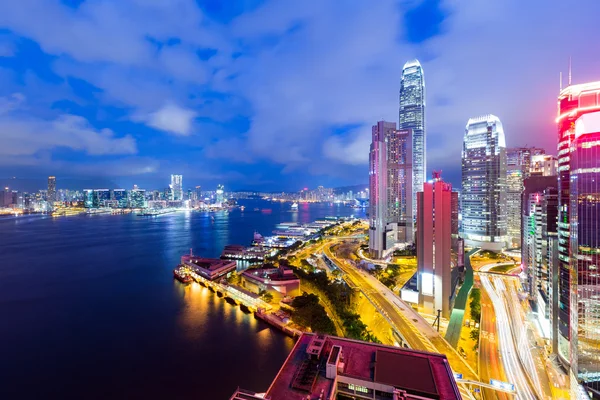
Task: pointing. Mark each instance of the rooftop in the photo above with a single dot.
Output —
(418, 373)
(211, 264)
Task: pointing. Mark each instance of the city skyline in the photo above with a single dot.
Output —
(125, 123)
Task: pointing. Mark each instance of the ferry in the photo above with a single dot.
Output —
(294, 206)
(181, 275)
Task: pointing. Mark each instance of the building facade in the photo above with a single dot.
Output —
(434, 238)
(51, 196)
(137, 198)
(411, 116)
(378, 190)
(177, 187)
(483, 200)
(399, 194)
(575, 102)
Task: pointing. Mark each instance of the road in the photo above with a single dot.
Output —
(490, 365)
(511, 334)
(416, 331)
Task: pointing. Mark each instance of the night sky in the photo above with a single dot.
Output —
(271, 94)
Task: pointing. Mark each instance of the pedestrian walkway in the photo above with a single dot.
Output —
(458, 312)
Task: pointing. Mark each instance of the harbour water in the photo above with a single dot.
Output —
(89, 307)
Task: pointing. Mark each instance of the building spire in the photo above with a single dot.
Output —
(560, 81)
(569, 70)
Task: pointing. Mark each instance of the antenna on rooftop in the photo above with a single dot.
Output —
(569, 70)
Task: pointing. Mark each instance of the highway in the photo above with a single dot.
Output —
(490, 365)
(515, 353)
(416, 331)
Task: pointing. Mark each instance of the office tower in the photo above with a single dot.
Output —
(120, 197)
(434, 238)
(399, 161)
(177, 187)
(538, 255)
(412, 116)
(484, 184)
(575, 296)
(198, 191)
(137, 198)
(382, 235)
(519, 161)
(51, 189)
(329, 367)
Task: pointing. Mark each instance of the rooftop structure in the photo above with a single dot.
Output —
(280, 281)
(208, 268)
(325, 367)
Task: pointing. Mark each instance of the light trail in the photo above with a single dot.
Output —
(510, 358)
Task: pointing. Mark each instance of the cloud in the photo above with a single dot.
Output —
(25, 135)
(171, 118)
(352, 149)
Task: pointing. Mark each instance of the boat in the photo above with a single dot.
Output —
(181, 275)
(294, 206)
(242, 208)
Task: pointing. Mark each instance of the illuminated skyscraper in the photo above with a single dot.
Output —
(578, 226)
(518, 167)
(137, 198)
(399, 182)
(379, 233)
(412, 116)
(434, 236)
(51, 197)
(483, 197)
(220, 195)
(177, 186)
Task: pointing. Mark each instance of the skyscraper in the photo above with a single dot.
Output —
(220, 195)
(177, 186)
(399, 183)
(519, 161)
(411, 116)
(434, 236)
(378, 190)
(51, 197)
(578, 226)
(483, 197)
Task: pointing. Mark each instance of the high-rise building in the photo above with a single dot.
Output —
(483, 200)
(137, 198)
(220, 195)
(51, 189)
(539, 255)
(101, 196)
(399, 198)
(434, 238)
(177, 187)
(198, 192)
(578, 227)
(120, 196)
(412, 116)
(519, 161)
(382, 236)
(88, 198)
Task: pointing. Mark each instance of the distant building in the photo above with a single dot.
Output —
(220, 195)
(483, 201)
(434, 245)
(120, 196)
(177, 187)
(328, 367)
(51, 196)
(544, 165)
(88, 198)
(411, 115)
(137, 198)
(101, 196)
(280, 282)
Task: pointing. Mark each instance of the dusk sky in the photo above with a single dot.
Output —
(271, 94)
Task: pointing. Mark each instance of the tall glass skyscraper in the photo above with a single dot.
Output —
(412, 116)
(177, 186)
(51, 196)
(484, 184)
(578, 227)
